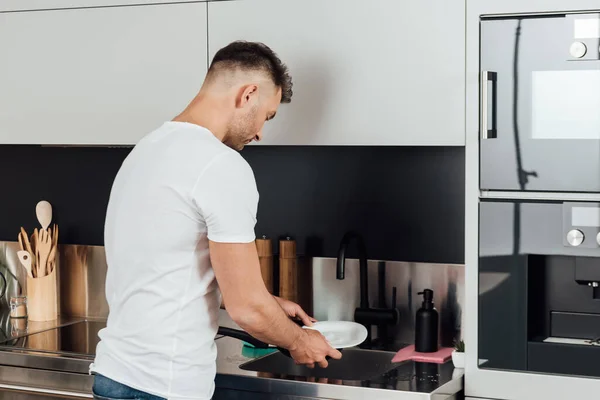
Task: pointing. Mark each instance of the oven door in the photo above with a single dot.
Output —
(540, 103)
(539, 276)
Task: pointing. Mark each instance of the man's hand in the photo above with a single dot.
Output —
(313, 348)
(294, 311)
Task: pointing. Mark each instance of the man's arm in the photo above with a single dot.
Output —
(293, 310)
(249, 303)
(255, 310)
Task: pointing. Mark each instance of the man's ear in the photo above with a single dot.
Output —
(248, 94)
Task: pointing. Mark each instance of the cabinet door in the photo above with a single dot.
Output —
(98, 75)
(378, 72)
(29, 5)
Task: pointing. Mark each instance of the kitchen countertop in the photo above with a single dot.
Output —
(439, 382)
(12, 329)
(444, 382)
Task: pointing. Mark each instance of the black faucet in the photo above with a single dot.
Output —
(362, 256)
(365, 315)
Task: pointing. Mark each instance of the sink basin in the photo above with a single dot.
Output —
(355, 365)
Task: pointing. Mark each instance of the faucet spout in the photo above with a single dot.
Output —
(362, 254)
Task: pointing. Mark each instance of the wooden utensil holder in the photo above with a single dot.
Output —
(42, 299)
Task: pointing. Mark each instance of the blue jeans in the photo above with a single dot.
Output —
(107, 389)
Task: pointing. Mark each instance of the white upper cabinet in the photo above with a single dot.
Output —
(98, 76)
(365, 72)
(28, 5)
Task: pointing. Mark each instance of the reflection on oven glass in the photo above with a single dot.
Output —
(565, 104)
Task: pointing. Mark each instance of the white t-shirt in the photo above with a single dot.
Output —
(179, 187)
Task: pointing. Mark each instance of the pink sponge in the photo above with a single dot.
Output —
(409, 353)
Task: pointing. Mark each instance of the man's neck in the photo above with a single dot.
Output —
(206, 113)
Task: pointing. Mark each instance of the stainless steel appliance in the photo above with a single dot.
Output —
(540, 102)
(539, 287)
(532, 215)
(50, 361)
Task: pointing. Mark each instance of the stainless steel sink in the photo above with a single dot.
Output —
(355, 365)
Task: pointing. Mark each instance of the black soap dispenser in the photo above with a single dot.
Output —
(426, 325)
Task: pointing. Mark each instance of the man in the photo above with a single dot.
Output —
(181, 213)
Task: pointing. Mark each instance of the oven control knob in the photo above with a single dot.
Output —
(575, 237)
(578, 49)
(598, 238)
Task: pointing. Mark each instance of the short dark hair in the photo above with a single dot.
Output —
(255, 56)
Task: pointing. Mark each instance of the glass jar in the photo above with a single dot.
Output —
(18, 327)
(18, 307)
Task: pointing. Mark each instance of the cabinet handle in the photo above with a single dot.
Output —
(488, 76)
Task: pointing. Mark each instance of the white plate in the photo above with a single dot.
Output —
(341, 334)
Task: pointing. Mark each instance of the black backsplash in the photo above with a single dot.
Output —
(407, 202)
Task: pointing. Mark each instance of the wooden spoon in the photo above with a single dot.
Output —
(25, 259)
(43, 211)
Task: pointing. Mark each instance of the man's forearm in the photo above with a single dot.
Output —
(266, 321)
(246, 297)
(225, 308)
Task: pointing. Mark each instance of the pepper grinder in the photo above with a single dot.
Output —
(288, 270)
(264, 247)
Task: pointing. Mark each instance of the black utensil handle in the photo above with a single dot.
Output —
(285, 352)
(241, 335)
(246, 337)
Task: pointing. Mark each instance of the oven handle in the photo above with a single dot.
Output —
(488, 76)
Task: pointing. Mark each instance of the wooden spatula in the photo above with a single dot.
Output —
(52, 256)
(43, 247)
(28, 248)
(55, 236)
(35, 253)
(25, 259)
(21, 244)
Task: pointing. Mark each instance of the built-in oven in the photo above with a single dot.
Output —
(540, 102)
(539, 293)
